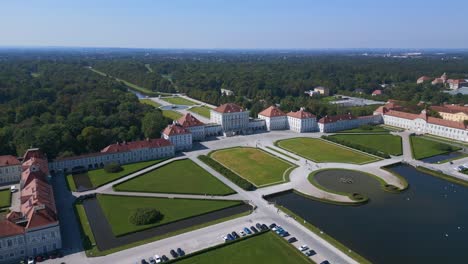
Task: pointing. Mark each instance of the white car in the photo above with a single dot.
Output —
(303, 248)
(157, 258)
(275, 228)
(31, 260)
(242, 233)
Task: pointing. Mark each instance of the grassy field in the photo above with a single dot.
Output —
(264, 248)
(201, 110)
(178, 101)
(181, 176)
(5, 198)
(150, 102)
(386, 143)
(372, 129)
(118, 208)
(425, 148)
(321, 151)
(282, 153)
(254, 165)
(100, 177)
(174, 115)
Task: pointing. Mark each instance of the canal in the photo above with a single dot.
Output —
(428, 223)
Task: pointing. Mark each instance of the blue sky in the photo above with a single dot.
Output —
(297, 24)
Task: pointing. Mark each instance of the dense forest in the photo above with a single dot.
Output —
(50, 99)
(66, 109)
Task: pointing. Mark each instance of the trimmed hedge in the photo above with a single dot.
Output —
(145, 216)
(239, 181)
(357, 146)
(113, 168)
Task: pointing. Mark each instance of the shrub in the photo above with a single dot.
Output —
(113, 168)
(236, 179)
(145, 216)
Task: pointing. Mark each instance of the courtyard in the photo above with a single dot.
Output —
(254, 165)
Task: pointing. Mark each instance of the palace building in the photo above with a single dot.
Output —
(10, 169)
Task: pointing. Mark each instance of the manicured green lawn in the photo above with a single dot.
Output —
(264, 248)
(179, 101)
(201, 110)
(386, 143)
(100, 177)
(5, 198)
(171, 114)
(118, 209)
(425, 148)
(150, 102)
(372, 129)
(321, 151)
(181, 176)
(254, 165)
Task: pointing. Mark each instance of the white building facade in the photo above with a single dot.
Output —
(231, 117)
(275, 119)
(179, 136)
(302, 121)
(10, 169)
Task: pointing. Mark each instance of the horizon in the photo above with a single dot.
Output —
(241, 25)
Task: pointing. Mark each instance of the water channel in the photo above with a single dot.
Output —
(428, 223)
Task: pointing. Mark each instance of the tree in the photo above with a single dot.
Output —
(153, 123)
(145, 216)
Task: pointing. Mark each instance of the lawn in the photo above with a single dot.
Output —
(178, 101)
(5, 198)
(386, 143)
(118, 209)
(171, 114)
(366, 129)
(264, 248)
(424, 148)
(322, 151)
(201, 110)
(100, 177)
(181, 176)
(254, 165)
(150, 102)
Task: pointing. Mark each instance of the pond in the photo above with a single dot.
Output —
(441, 157)
(428, 223)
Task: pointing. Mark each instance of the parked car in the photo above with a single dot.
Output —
(235, 235)
(151, 260)
(39, 259)
(173, 253)
(310, 253)
(325, 262)
(264, 227)
(164, 258)
(284, 234)
(247, 231)
(143, 261)
(242, 233)
(259, 226)
(292, 240)
(230, 237)
(31, 260)
(157, 258)
(254, 229)
(303, 248)
(272, 226)
(180, 252)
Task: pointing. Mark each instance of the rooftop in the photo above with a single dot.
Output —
(272, 111)
(8, 160)
(228, 108)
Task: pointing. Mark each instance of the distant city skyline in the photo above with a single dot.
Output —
(256, 24)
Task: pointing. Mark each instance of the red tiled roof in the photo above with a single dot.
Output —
(453, 109)
(188, 120)
(36, 163)
(424, 78)
(128, 146)
(175, 129)
(456, 81)
(301, 114)
(8, 228)
(36, 153)
(228, 108)
(28, 176)
(272, 111)
(8, 160)
(333, 119)
(95, 154)
(377, 92)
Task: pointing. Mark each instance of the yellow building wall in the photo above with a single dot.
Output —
(458, 117)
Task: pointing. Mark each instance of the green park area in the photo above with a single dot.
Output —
(181, 176)
(424, 148)
(150, 102)
(201, 110)
(100, 176)
(5, 198)
(174, 115)
(366, 129)
(178, 101)
(254, 165)
(263, 248)
(319, 150)
(119, 210)
(385, 143)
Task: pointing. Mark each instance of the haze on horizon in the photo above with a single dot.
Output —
(255, 24)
